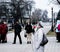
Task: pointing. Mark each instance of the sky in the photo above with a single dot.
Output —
(41, 4)
(44, 5)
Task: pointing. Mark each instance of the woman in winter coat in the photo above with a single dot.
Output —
(28, 29)
(37, 38)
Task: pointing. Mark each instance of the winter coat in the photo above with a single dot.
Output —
(57, 23)
(28, 28)
(0, 29)
(37, 38)
(17, 28)
(4, 29)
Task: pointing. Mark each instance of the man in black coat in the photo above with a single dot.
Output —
(17, 30)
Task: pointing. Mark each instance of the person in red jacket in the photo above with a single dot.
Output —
(4, 32)
(0, 31)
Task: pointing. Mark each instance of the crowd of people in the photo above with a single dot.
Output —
(37, 34)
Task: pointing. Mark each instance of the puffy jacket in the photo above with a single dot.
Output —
(0, 29)
(17, 28)
(4, 29)
(28, 28)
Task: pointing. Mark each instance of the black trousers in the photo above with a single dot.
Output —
(2, 37)
(18, 37)
(58, 36)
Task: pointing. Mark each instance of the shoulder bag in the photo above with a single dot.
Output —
(44, 40)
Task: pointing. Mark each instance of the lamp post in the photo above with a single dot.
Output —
(52, 20)
(58, 1)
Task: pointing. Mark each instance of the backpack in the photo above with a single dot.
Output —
(58, 27)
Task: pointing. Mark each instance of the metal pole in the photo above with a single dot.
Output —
(52, 21)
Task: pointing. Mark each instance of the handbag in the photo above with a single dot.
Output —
(25, 35)
(44, 40)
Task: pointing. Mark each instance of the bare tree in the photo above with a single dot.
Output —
(36, 16)
(19, 9)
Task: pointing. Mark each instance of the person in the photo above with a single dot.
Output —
(37, 39)
(4, 30)
(0, 31)
(28, 29)
(17, 30)
(57, 31)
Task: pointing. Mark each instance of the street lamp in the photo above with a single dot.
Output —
(58, 1)
(52, 20)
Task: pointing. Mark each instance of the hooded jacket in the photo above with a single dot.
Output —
(37, 38)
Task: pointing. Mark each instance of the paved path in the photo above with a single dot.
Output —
(52, 45)
(9, 47)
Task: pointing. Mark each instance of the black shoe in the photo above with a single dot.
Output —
(13, 43)
(29, 42)
(58, 41)
(5, 41)
(2, 41)
(20, 42)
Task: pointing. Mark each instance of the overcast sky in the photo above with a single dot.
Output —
(41, 3)
(44, 4)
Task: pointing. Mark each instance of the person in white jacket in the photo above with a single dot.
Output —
(37, 38)
(57, 31)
